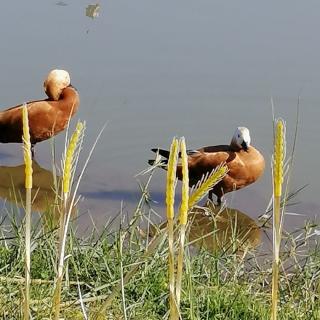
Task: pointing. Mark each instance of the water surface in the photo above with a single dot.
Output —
(157, 69)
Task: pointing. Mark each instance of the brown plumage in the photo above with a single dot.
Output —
(245, 163)
(46, 117)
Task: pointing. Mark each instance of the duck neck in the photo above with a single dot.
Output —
(69, 100)
(69, 95)
(234, 146)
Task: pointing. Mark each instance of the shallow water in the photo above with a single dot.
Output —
(154, 70)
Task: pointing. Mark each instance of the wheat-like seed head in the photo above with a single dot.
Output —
(183, 216)
(69, 157)
(27, 148)
(278, 158)
(171, 177)
(206, 183)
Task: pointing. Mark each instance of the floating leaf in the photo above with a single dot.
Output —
(92, 10)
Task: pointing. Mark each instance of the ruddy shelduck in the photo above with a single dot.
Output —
(245, 163)
(46, 117)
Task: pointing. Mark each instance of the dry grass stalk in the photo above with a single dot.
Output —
(28, 187)
(183, 217)
(66, 213)
(170, 193)
(278, 161)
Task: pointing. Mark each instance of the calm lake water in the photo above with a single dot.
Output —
(157, 69)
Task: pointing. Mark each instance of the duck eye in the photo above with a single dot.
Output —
(238, 135)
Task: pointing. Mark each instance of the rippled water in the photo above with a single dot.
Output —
(154, 70)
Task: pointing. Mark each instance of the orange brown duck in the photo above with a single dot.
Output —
(245, 163)
(46, 117)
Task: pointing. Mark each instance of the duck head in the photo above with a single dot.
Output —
(241, 139)
(56, 81)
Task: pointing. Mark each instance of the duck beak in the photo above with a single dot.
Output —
(244, 146)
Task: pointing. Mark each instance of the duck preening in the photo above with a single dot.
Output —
(245, 163)
(46, 117)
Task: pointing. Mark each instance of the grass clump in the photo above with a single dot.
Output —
(214, 286)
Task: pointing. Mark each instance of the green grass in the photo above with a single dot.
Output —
(214, 286)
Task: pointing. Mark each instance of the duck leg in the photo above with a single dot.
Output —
(219, 196)
(32, 151)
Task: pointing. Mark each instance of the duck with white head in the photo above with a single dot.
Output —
(241, 139)
(47, 117)
(245, 163)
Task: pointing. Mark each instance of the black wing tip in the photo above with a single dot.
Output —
(161, 152)
(162, 164)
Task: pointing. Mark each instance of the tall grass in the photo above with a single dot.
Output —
(277, 170)
(28, 187)
(170, 192)
(201, 189)
(183, 216)
(68, 171)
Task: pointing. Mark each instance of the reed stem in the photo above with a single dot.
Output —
(68, 170)
(27, 255)
(183, 217)
(170, 193)
(277, 170)
(275, 264)
(28, 187)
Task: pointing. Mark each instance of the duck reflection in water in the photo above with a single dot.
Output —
(219, 229)
(45, 198)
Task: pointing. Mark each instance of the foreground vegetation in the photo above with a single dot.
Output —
(136, 270)
(215, 285)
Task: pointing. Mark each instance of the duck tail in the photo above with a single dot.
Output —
(162, 152)
(164, 161)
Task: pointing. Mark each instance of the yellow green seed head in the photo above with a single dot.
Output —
(27, 148)
(207, 184)
(171, 177)
(183, 216)
(278, 157)
(69, 157)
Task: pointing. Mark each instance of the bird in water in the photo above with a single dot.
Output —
(245, 163)
(46, 117)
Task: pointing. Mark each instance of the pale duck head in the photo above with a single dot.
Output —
(56, 81)
(241, 138)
